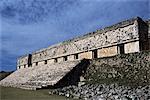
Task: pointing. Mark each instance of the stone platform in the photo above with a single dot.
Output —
(39, 76)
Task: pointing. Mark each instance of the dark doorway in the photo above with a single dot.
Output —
(76, 56)
(94, 54)
(36, 63)
(65, 58)
(121, 49)
(55, 60)
(45, 62)
(29, 60)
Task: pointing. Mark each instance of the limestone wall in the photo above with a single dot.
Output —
(60, 59)
(99, 39)
(50, 61)
(106, 42)
(87, 55)
(22, 62)
(105, 52)
(132, 47)
(71, 57)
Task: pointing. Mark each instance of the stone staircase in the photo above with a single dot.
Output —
(39, 76)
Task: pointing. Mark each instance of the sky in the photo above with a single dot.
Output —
(29, 25)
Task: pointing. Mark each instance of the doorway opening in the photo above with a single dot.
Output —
(94, 54)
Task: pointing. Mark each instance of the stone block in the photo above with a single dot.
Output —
(106, 52)
(71, 57)
(51, 61)
(86, 55)
(132, 47)
(61, 59)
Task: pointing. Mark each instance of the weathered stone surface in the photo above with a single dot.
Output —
(122, 77)
(129, 69)
(104, 92)
(37, 77)
(91, 42)
(103, 39)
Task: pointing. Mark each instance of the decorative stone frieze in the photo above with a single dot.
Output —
(126, 32)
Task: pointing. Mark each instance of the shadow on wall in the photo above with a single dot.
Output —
(73, 77)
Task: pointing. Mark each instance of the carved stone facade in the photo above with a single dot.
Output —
(125, 37)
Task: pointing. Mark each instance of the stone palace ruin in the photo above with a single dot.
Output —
(49, 66)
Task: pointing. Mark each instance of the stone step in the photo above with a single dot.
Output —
(39, 76)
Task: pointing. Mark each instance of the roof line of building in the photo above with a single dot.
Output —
(103, 30)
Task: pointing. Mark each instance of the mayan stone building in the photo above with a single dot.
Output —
(125, 37)
(49, 65)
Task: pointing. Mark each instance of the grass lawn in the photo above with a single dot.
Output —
(7, 93)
